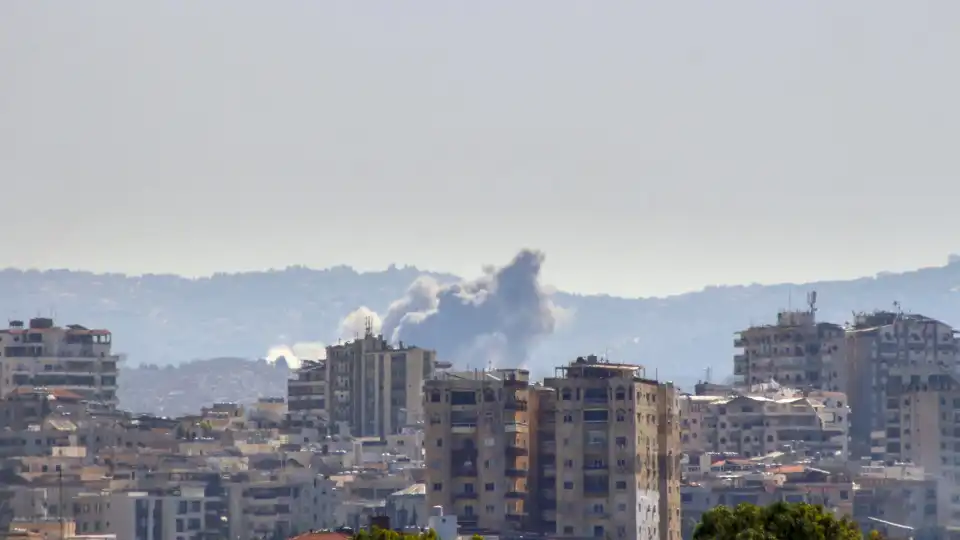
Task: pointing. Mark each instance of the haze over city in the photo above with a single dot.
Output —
(646, 148)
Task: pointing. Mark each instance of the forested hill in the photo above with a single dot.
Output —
(165, 320)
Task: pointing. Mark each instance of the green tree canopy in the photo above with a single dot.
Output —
(781, 521)
(382, 534)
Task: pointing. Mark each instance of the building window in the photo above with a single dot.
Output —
(567, 418)
(439, 443)
(621, 484)
(182, 507)
(438, 486)
(568, 485)
(598, 531)
(490, 486)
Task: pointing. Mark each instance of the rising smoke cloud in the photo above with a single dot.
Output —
(495, 319)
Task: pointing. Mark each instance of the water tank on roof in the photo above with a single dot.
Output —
(39, 323)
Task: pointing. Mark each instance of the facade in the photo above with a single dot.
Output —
(73, 358)
(796, 351)
(889, 354)
(477, 447)
(307, 396)
(616, 437)
(754, 426)
(373, 388)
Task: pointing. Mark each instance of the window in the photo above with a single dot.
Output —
(182, 509)
(196, 506)
(621, 442)
(566, 394)
(596, 415)
(598, 531)
(621, 484)
(567, 529)
(621, 416)
(439, 443)
(490, 486)
(193, 524)
(568, 485)
(180, 527)
(567, 418)
(438, 486)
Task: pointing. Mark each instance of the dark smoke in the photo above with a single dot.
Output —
(495, 319)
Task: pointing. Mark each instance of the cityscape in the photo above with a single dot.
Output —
(539, 270)
(859, 418)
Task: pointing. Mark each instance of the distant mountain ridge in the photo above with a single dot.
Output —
(162, 319)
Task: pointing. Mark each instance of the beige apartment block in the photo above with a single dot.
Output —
(796, 351)
(73, 358)
(616, 436)
(753, 426)
(477, 447)
(373, 388)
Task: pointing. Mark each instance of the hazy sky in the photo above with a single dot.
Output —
(647, 147)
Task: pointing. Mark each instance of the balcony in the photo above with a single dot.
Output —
(465, 472)
(516, 473)
(515, 495)
(515, 405)
(466, 496)
(512, 450)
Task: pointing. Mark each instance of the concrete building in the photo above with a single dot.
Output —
(901, 494)
(373, 388)
(179, 513)
(477, 446)
(616, 438)
(796, 351)
(307, 396)
(73, 358)
(889, 354)
(754, 426)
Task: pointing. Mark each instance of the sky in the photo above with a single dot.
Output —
(647, 148)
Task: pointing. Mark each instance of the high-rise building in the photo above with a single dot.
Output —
(74, 358)
(797, 351)
(373, 388)
(477, 447)
(617, 440)
(888, 354)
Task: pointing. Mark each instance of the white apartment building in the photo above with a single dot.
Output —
(181, 513)
(73, 358)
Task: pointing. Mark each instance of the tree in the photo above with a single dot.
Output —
(780, 521)
(381, 534)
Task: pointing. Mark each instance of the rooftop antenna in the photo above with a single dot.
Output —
(812, 301)
(368, 326)
(708, 372)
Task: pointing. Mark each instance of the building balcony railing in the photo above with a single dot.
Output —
(461, 472)
(515, 495)
(516, 473)
(516, 450)
(515, 405)
(466, 496)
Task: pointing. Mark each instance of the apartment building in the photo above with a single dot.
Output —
(307, 396)
(901, 493)
(751, 425)
(73, 358)
(796, 351)
(373, 388)
(889, 354)
(616, 438)
(477, 446)
(176, 513)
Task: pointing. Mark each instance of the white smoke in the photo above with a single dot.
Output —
(354, 324)
(295, 354)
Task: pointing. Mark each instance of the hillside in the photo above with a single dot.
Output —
(166, 320)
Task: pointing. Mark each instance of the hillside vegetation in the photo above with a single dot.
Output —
(169, 320)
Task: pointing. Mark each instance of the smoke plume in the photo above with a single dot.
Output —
(354, 325)
(496, 318)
